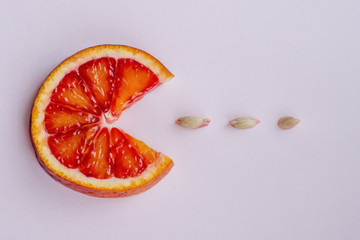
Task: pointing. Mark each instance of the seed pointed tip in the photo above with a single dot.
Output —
(257, 121)
(206, 122)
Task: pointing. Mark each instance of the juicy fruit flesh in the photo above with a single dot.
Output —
(59, 118)
(99, 89)
(99, 77)
(128, 91)
(128, 162)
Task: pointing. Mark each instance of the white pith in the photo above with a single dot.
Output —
(40, 136)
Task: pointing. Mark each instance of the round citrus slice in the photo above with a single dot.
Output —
(72, 122)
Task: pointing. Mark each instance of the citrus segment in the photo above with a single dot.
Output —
(72, 92)
(60, 118)
(99, 76)
(97, 162)
(149, 154)
(128, 162)
(68, 147)
(132, 81)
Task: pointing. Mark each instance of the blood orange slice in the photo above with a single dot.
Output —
(71, 123)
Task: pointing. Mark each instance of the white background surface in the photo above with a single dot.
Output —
(263, 59)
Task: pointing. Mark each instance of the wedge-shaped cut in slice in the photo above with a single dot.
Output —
(127, 161)
(72, 92)
(96, 162)
(69, 147)
(59, 118)
(132, 81)
(99, 76)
